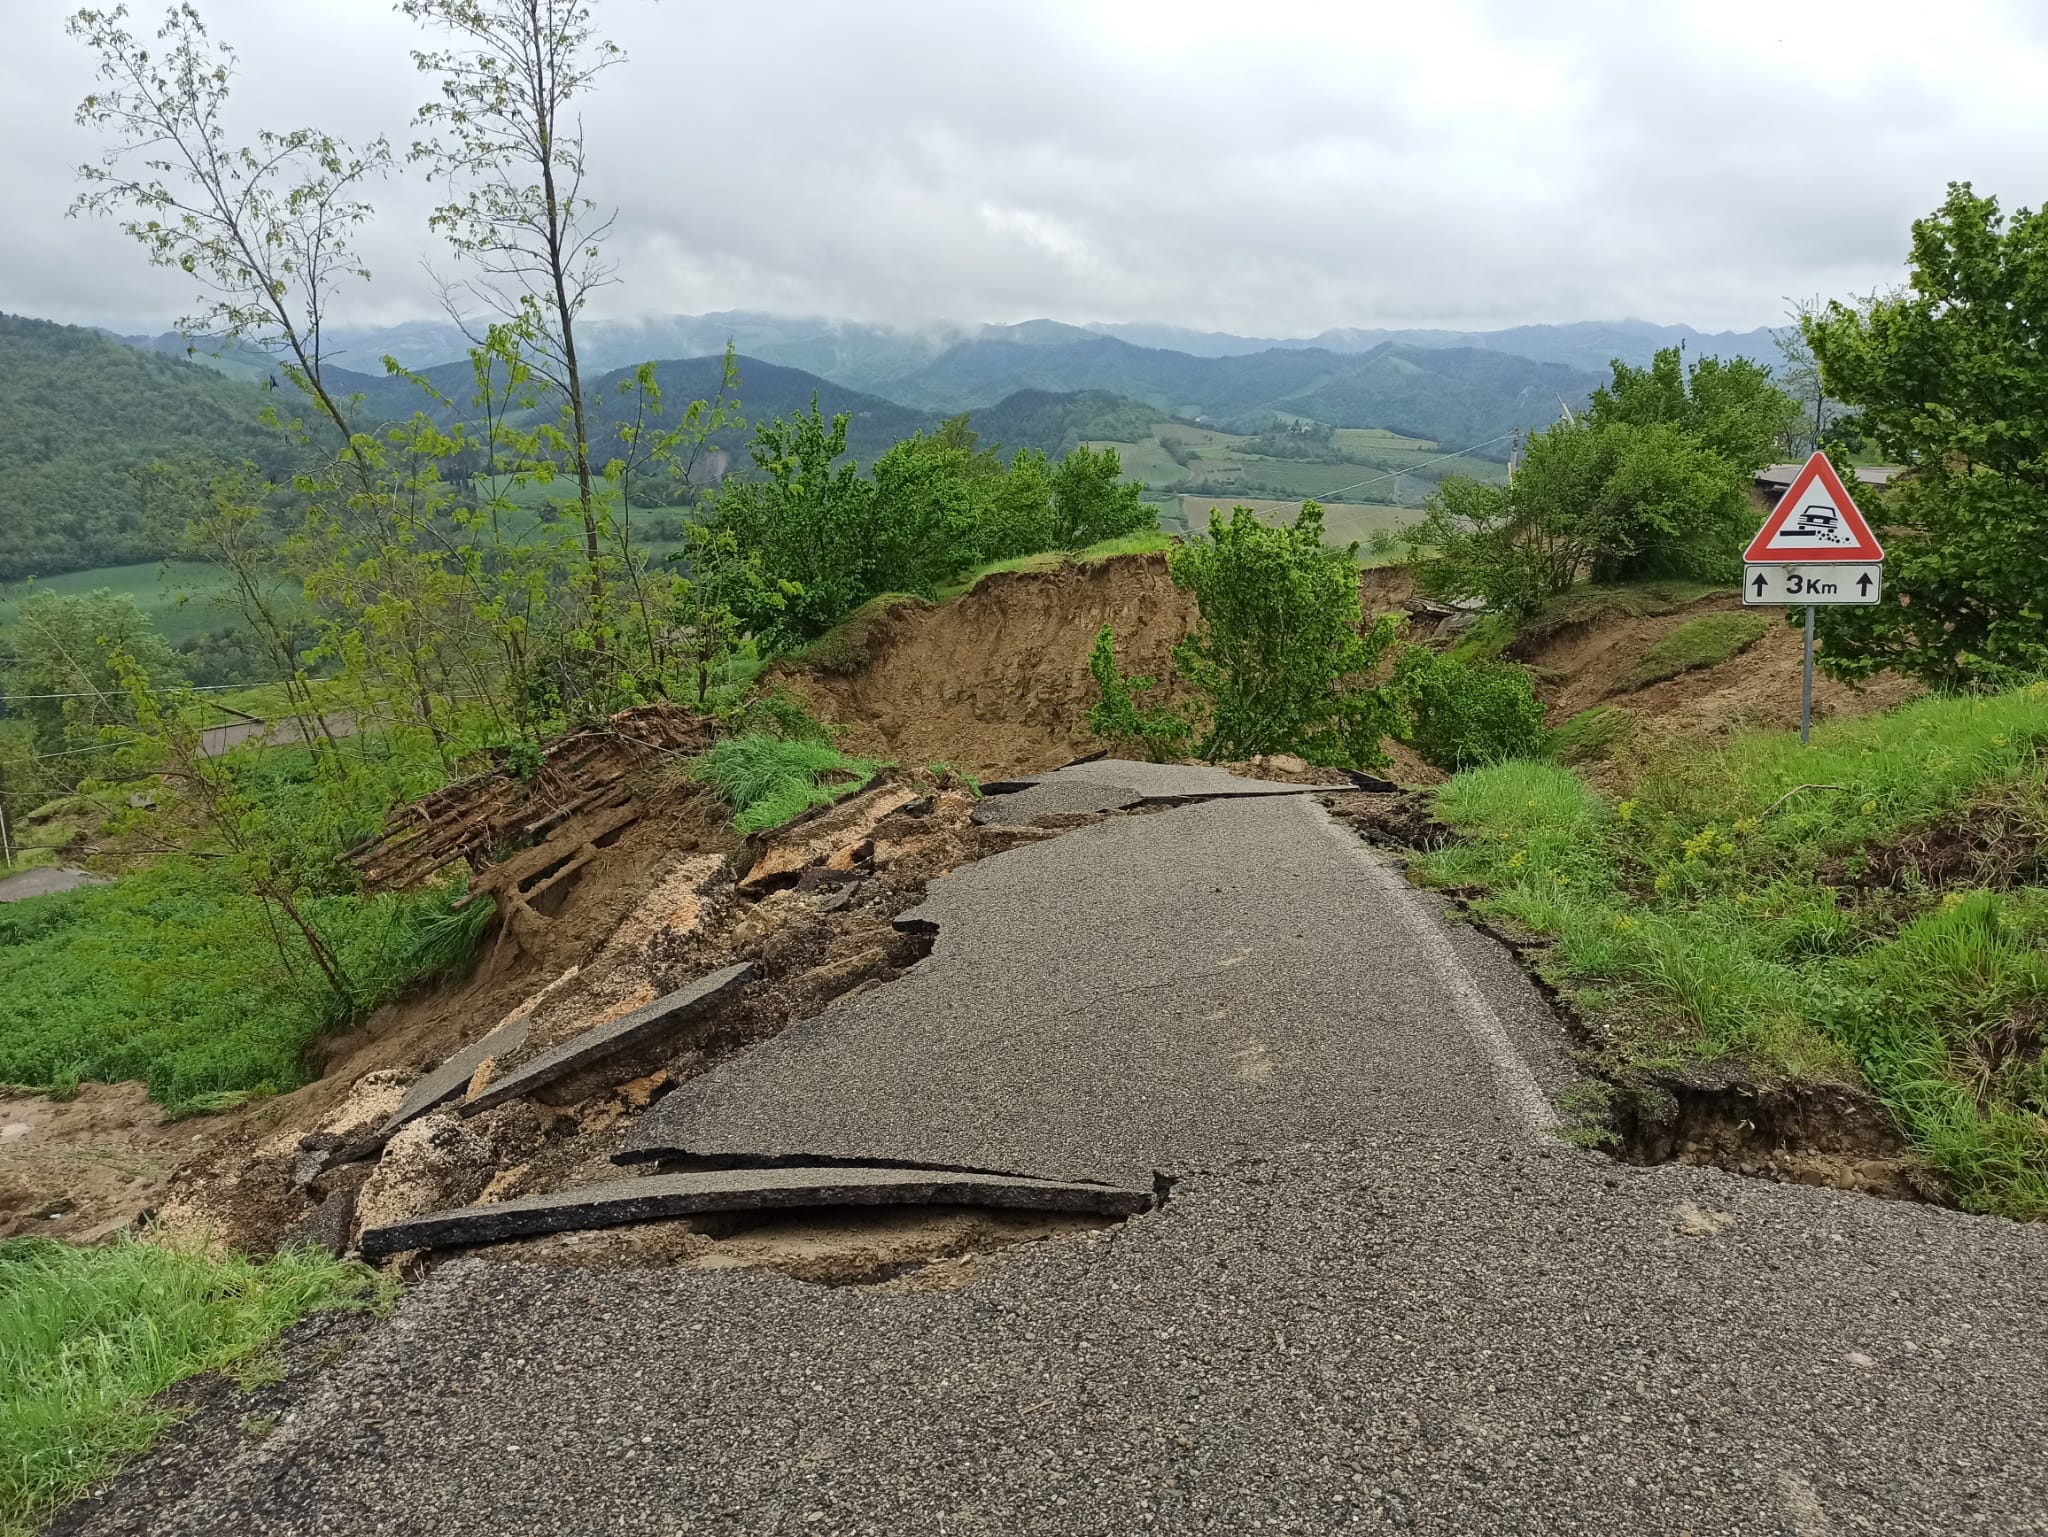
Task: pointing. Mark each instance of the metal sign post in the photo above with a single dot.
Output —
(1814, 548)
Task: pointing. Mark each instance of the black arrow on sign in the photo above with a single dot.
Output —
(1863, 584)
(1759, 584)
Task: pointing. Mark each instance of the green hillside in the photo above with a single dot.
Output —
(79, 411)
(1453, 395)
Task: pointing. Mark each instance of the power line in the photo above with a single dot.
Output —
(1411, 469)
(182, 688)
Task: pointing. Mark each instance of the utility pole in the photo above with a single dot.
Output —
(1806, 684)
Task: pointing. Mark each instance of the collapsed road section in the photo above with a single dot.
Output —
(593, 1028)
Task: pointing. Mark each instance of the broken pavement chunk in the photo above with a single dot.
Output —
(1051, 798)
(708, 1190)
(617, 1035)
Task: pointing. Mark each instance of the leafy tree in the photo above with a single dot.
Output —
(1015, 512)
(1729, 407)
(1282, 651)
(1651, 481)
(62, 670)
(1948, 376)
(505, 135)
(924, 514)
(1161, 733)
(724, 590)
(266, 229)
(1092, 501)
(808, 521)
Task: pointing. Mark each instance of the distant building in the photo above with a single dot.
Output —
(1774, 480)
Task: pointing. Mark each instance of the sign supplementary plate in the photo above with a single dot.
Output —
(1815, 521)
(1770, 584)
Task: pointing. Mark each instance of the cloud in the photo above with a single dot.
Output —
(1265, 169)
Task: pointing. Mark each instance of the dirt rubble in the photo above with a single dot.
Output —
(810, 908)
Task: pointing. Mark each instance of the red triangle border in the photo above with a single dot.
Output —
(1864, 551)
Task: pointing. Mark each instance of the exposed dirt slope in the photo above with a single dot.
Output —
(1582, 665)
(996, 681)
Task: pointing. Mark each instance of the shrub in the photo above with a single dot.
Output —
(1282, 651)
(1461, 714)
(1161, 734)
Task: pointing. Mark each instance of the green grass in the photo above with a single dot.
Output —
(1703, 642)
(169, 976)
(768, 780)
(1147, 542)
(1591, 734)
(1597, 603)
(88, 1337)
(1716, 912)
(176, 596)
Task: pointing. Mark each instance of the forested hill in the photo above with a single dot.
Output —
(78, 412)
(766, 391)
(1453, 395)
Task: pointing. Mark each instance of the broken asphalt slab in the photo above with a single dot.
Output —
(713, 1190)
(644, 1024)
(450, 1078)
(1143, 994)
(1116, 784)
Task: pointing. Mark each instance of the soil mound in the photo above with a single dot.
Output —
(996, 681)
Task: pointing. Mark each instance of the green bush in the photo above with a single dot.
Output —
(88, 1337)
(1702, 642)
(1461, 714)
(1161, 734)
(769, 781)
(1281, 651)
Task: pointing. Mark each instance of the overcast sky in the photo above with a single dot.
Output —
(1271, 169)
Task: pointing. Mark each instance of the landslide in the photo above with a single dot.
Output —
(996, 681)
(1588, 655)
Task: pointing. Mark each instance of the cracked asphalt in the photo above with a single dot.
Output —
(1382, 1297)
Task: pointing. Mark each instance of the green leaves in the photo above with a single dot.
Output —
(1949, 378)
(1650, 481)
(1281, 651)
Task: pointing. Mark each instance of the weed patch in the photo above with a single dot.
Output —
(1702, 642)
(1591, 734)
(171, 976)
(1706, 916)
(89, 1337)
(769, 781)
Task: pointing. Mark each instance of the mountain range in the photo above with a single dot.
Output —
(81, 409)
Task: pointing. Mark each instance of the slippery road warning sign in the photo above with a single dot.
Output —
(1815, 521)
(1814, 548)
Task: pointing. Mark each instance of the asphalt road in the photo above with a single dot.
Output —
(1380, 1297)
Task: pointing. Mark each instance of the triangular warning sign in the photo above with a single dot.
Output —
(1815, 521)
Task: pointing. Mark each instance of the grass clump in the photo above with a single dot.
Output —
(1591, 734)
(1702, 642)
(170, 976)
(769, 781)
(88, 1337)
(1717, 910)
(1146, 541)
